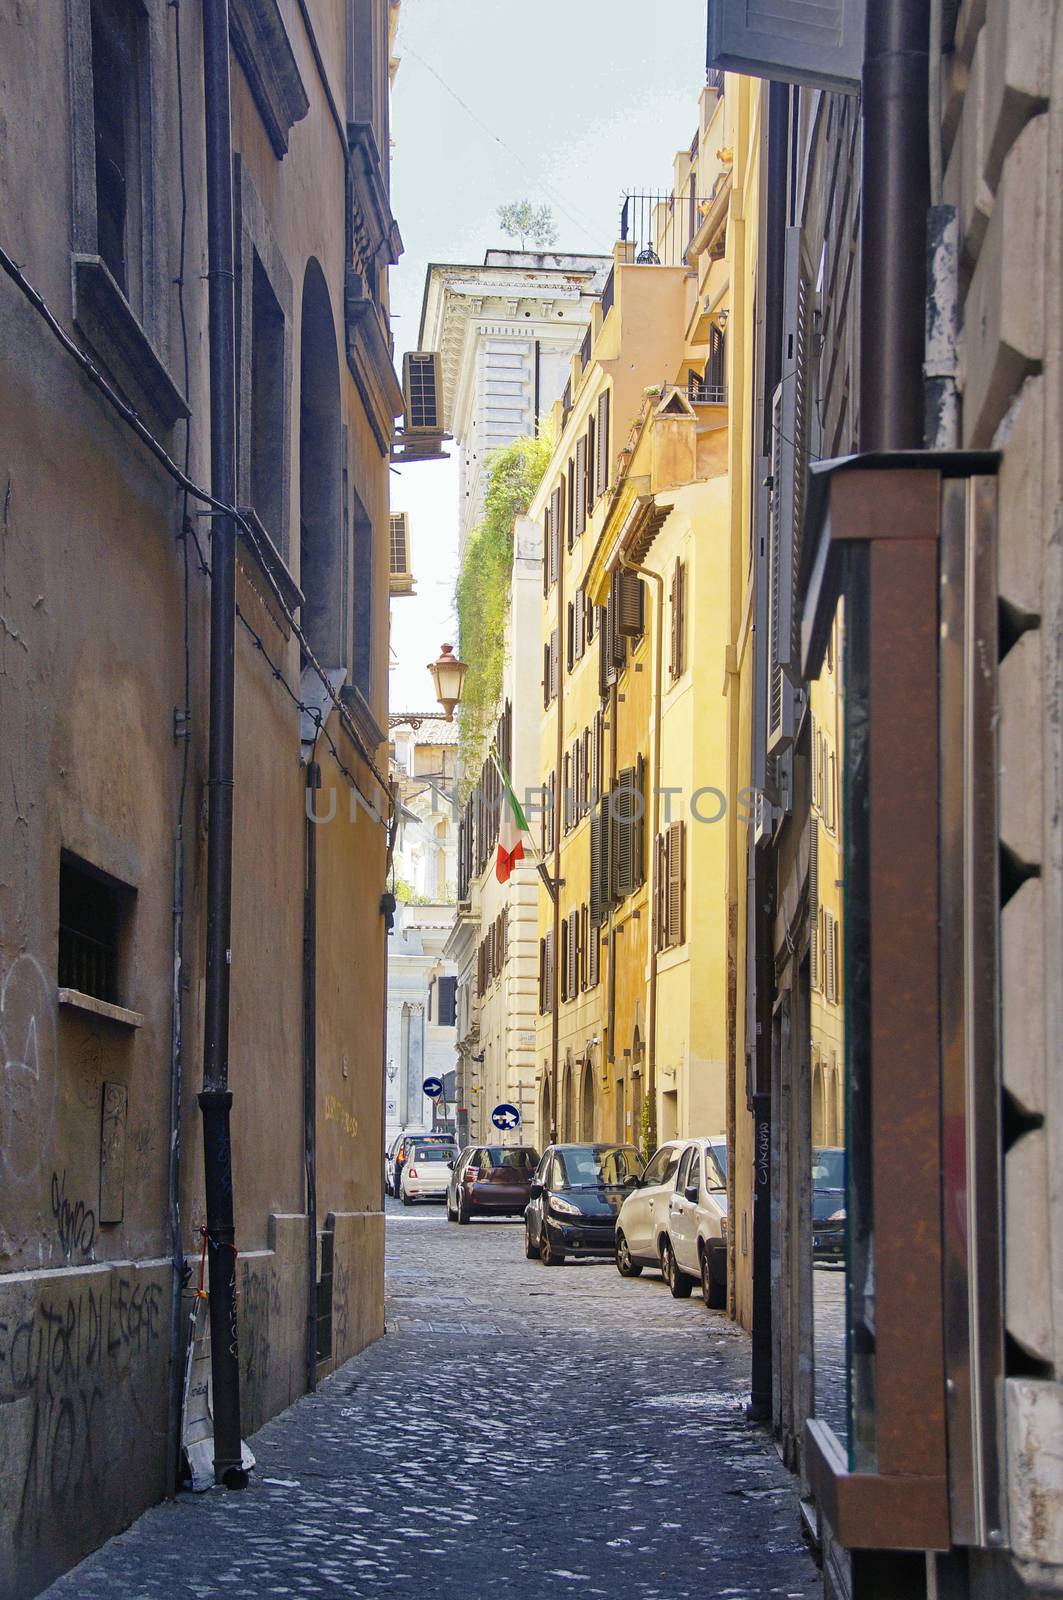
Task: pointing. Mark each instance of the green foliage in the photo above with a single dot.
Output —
(521, 220)
(483, 590)
(646, 1132)
(407, 895)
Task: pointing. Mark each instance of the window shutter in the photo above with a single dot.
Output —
(832, 792)
(794, 423)
(547, 545)
(585, 772)
(676, 895)
(564, 959)
(554, 664)
(584, 944)
(594, 956)
(589, 473)
(592, 618)
(624, 833)
(542, 976)
(813, 901)
(681, 619)
(566, 796)
(659, 876)
(835, 962)
(579, 517)
(780, 716)
(602, 445)
(570, 636)
(546, 675)
(596, 850)
(573, 954)
(597, 743)
(630, 621)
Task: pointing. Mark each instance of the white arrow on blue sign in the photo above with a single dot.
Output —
(505, 1116)
(432, 1087)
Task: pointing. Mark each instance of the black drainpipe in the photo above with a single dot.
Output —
(215, 1099)
(895, 196)
(313, 783)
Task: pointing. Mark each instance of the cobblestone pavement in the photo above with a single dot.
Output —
(522, 1430)
(828, 1292)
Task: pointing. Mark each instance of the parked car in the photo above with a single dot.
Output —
(491, 1180)
(676, 1219)
(828, 1204)
(397, 1154)
(426, 1170)
(573, 1200)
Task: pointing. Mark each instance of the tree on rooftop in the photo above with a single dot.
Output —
(521, 220)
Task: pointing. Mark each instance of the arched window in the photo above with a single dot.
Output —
(819, 1129)
(568, 1126)
(321, 530)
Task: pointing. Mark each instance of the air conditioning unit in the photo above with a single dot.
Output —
(401, 577)
(422, 392)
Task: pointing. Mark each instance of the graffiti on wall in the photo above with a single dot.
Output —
(75, 1222)
(67, 1355)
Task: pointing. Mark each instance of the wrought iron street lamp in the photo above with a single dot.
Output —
(448, 675)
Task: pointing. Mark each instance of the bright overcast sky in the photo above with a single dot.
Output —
(569, 103)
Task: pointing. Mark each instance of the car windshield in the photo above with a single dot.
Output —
(599, 1167)
(716, 1167)
(501, 1156)
(828, 1169)
(432, 1152)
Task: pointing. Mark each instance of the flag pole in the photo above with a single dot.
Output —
(540, 864)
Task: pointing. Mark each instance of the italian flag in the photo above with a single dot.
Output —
(512, 826)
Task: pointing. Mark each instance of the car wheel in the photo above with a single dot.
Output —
(530, 1250)
(463, 1210)
(715, 1294)
(679, 1284)
(625, 1264)
(450, 1208)
(547, 1254)
(404, 1197)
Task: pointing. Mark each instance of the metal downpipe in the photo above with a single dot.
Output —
(215, 1100)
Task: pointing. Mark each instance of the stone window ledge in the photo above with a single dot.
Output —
(103, 314)
(75, 1000)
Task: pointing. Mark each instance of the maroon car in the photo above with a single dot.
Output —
(491, 1180)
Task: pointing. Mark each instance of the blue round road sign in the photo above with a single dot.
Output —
(505, 1116)
(432, 1087)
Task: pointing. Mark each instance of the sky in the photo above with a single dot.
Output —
(568, 103)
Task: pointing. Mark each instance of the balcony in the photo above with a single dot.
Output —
(658, 228)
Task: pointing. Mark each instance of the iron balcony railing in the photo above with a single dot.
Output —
(659, 227)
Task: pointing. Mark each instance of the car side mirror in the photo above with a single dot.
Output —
(691, 1193)
(535, 1189)
(635, 1182)
(450, 1164)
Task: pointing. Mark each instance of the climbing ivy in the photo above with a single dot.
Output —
(482, 593)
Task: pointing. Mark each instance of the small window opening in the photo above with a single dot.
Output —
(116, 70)
(267, 408)
(93, 915)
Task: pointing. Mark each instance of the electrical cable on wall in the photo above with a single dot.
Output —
(197, 492)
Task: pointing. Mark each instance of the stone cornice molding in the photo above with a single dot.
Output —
(261, 45)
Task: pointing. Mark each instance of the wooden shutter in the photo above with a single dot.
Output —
(638, 843)
(585, 772)
(570, 635)
(601, 451)
(675, 891)
(836, 959)
(594, 955)
(572, 955)
(566, 796)
(584, 938)
(679, 620)
(629, 616)
(813, 902)
(597, 744)
(554, 664)
(542, 976)
(547, 545)
(624, 833)
(564, 959)
(589, 472)
(546, 675)
(579, 516)
(595, 848)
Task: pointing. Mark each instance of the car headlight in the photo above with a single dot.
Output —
(564, 1208)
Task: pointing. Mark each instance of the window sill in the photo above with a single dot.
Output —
(103, 314)
(269, 563)
(75, 1000)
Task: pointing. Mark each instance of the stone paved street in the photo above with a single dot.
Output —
(520, 1429)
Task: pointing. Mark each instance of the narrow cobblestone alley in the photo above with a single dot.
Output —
(519, 1430)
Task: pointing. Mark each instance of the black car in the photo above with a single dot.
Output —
(828, 1204)
(574, 1198)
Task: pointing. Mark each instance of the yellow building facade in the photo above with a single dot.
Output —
(639, 956)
